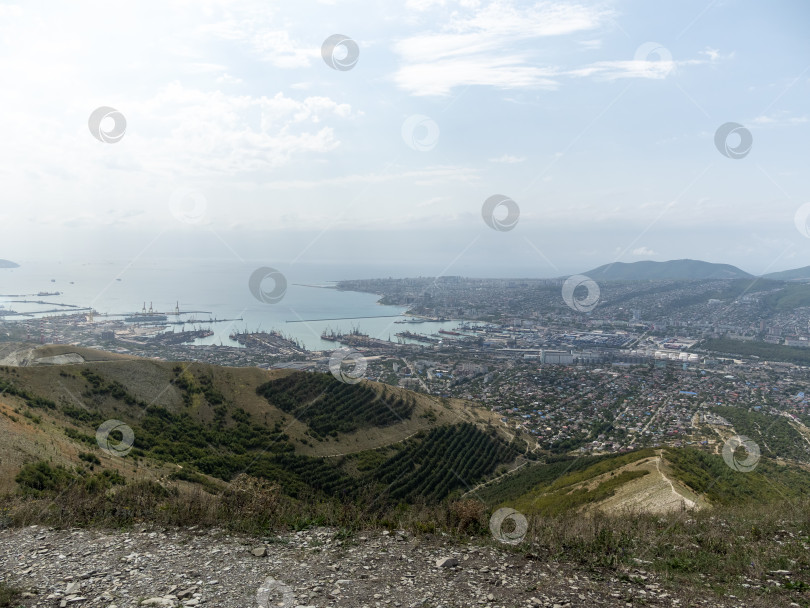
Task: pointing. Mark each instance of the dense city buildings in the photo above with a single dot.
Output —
(643, 368)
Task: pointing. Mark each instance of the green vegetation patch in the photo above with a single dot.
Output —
(516, 484)
(8, 595)
(446, 459)
(192, 386)
(560, 501)
(9, 388)
(763, 350)
(99, 386)
(330, 407)
(552, 493)
(773, 434)
(791, 297)
(710, 475)
(42, 478)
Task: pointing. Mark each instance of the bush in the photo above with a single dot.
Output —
(39, 477)
(89, 458)
(468, 516)
(8, 595)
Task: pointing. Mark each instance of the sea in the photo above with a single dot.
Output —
(214, 289)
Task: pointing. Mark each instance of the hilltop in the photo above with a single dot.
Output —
(670, 270)
(795, 274)
(692, 270)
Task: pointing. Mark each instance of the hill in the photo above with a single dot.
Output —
(794, 274)
(365, 478)
(8, 264)
(643, 481)
(308, 433)
(670, 270)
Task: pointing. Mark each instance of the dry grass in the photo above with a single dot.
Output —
(724, 549)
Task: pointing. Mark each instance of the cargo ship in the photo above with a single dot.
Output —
(331, 336)
(418, 337)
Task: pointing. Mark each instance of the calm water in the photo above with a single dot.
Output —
(219, 287)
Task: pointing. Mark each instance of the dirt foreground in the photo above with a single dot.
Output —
(313, 568)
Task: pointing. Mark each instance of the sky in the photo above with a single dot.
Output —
(234, 130)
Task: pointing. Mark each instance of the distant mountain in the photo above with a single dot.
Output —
(8, 264)
(796, 274)
(673, 269)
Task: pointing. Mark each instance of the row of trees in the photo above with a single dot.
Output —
(446, 459)
(330, 407)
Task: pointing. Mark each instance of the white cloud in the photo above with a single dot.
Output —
(258, 28)
(715, 56)
(644, 251)
(508, 159)
(591, 44)
(201, 132)
(499, 45)
(428, 176)
(228, 79)
(280, 50)
(424, 5)
(635, 68)
(781, 119)
(441, 77)
(482, 47)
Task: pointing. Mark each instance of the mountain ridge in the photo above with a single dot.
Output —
(684, 269)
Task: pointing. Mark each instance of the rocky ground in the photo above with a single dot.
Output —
(314, 568)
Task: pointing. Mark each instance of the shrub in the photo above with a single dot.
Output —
(38, 477)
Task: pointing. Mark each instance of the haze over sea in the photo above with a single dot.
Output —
(218, 286)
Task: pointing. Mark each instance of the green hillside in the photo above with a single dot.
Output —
(789, 298)
(208, 425)
(794, 274)
(710, 475)
(330, 407)
(569, 484)
(260, 452)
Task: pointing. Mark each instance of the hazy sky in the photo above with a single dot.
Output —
(241, 141)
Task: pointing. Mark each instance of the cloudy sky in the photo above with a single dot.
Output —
(247, 137)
